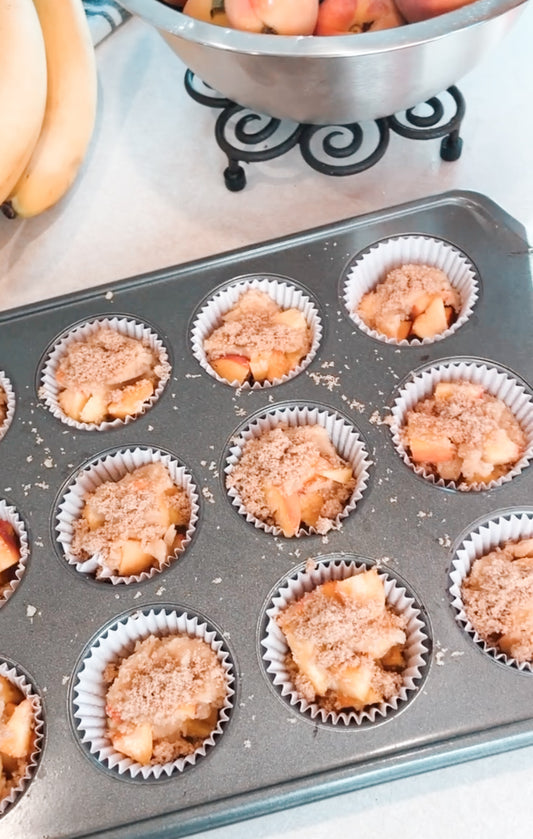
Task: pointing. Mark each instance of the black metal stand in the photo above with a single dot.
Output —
(248, 137)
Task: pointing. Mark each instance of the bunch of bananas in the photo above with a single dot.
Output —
(48, 90)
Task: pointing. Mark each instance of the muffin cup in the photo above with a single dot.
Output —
(5, 384)
(339, 567)
(15, 675)
(282, 290)
(496, 379)
(116, 642)
(111, 467)
(372, 266)
(484, 536)
(9, 513)
(49, 390)
(344, 436)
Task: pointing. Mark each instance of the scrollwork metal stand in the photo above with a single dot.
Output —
(249, 137)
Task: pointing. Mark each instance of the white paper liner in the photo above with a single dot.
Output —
(276, 648)
(17, 678)
(10, 514)
(485, 537)
(345, 438)
(49, 389)
(496, 380)
(285, 294)
(117, 642)
(112, 467)
(5, 384)
(372, 266)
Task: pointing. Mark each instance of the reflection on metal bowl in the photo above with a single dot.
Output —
(338, 79)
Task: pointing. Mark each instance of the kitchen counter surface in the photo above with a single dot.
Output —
(151, 194)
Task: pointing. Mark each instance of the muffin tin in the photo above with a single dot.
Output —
(465, 702)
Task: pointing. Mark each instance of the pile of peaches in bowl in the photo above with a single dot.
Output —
(313, 17)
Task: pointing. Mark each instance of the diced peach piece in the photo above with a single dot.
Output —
(498, 448)
(522, 549)
(431, 449)
(177, 514)
(320, 437)
(201, 727)
(447, 390)
(310, 506)
(259, 366)
(131, 399)
(291, 317)
(303, 653)
(278, 365)
(404, 330)
(95, 409)
(285, 509)
(72, 403)
(92, 516)
(354, 682)
(391, 325)
(421, 303)
(432, 320)
(450, 470)
(136, 742)
(205, 10)
(394, 658)
(133, 558)
(16, 736)
(157, 549)
(365, 587)
(9, 692)
(233, 368)
(340, 474)
(368, 307)
(9, 545)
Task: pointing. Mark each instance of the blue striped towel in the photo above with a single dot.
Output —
(104, 17)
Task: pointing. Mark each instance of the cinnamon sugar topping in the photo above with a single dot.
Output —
(164, 698)
(498, 598)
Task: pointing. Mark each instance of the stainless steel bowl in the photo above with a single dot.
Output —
(339, 79)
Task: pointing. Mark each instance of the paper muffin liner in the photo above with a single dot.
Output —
(283, 291)
(15, 675)
(496, 379)
(111, 467)
(117, 642)
(10, 514)
(49, 390)
(5, 385)
(275, 648)
(484, 536)
(345, 437)
(372, 266)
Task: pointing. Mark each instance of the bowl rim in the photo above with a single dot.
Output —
(171, 21)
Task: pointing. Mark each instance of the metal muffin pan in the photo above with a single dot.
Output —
(270, 756)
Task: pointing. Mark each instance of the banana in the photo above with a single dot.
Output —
(22, 88)
(70, 108)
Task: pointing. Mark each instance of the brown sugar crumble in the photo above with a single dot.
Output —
(412, 301)
(462, 433)
(346, 645)
(134, 523)
(498, 598)
(257, 340)
(164, 699)
(17, 724)
(107, 376)
(293, 476)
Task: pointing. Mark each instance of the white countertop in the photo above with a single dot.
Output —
(151, 194)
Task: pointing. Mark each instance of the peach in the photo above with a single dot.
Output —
(131, 399)
(207, 10)
(340, 17)
(498, 448)
(431, 449)
(233, 368)
(415, 10)
(259, 366)
(16, 737)
(9, 692)
(310, 506)
(293, 318)
(72, 403)
(278, 365)
(136, 742)
(285, 509)
(133, 558)
(273, 16)
(95, 409)
(9, 545)
(432, 320)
